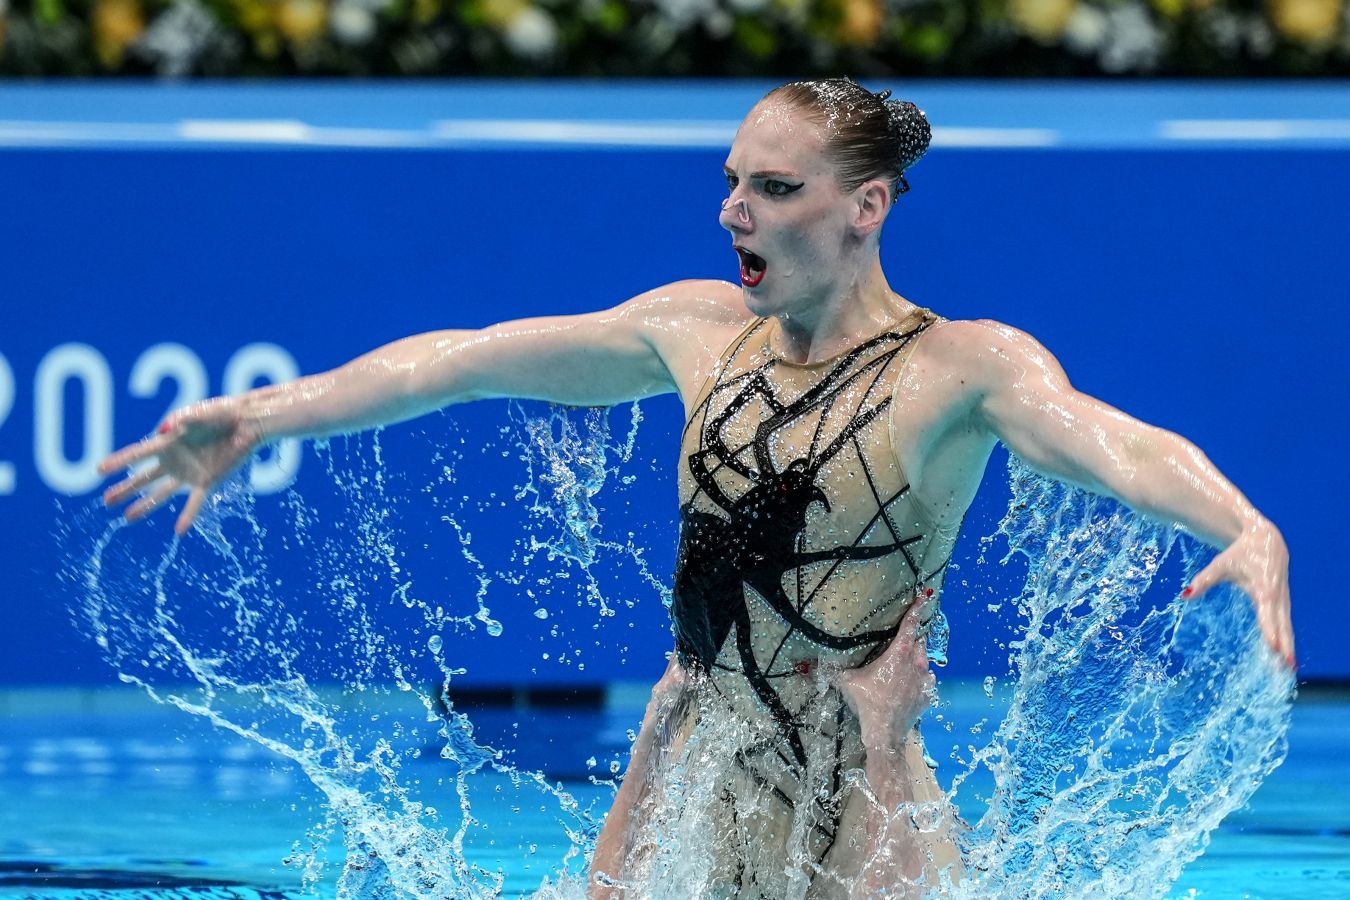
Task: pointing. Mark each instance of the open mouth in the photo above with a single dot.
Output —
(752, 267)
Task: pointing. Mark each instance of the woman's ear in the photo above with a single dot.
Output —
(874, 202)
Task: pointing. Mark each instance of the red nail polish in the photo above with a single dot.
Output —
(928, 592)
(1187, 591)
(164, 428)
(803, 667)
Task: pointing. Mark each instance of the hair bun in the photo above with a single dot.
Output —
(912, 132)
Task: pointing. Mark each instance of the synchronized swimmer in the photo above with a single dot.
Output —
(835, 436)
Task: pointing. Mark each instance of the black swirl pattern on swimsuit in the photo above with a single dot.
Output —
(742, 530)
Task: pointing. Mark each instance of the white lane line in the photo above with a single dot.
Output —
(292, 132)
(693, 133)
(370, 137)
(957, 136)
(668, 133)
(576, 133)
(266, 132)
(1254, 129)
(453, 132)
(257, 131)
(20, 133)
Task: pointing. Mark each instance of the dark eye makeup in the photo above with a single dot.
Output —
(776, 188)
(771, 186)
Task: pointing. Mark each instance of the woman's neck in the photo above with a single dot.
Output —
(836, 323)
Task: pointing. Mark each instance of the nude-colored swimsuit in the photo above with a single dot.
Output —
(801, 544)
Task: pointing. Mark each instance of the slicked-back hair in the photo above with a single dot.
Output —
(867, 136)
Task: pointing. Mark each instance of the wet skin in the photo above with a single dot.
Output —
(967, 385)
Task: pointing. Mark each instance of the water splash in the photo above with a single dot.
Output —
(1134, 726)
(341, 664)
(568, 463)
(213, 641)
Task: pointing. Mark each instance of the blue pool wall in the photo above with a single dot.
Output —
(1199, 285)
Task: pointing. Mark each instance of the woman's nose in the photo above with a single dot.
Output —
(735, 214)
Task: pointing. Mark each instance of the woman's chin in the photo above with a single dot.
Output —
(758, 302)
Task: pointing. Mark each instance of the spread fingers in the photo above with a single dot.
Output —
(128, 455)
(152, 501)
(120, 491)
(194, 503)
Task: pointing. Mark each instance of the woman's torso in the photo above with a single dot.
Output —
(801, 546)
(801, 540)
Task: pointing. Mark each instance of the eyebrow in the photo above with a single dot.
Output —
(727, 170)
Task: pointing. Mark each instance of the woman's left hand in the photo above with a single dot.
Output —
(1258, 564)
(891, 693)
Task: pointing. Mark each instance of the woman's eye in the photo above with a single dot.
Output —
(777, 188)
(732, 181)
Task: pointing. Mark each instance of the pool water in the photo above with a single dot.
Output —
(106, 795)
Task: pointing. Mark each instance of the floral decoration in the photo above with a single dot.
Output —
(865, 38)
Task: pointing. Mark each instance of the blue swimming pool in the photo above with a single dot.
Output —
(103, 793)
(107, 795)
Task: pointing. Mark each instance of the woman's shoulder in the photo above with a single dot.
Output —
(980, 345)
(704, 305)
(690, 323)
(977, 336)
(718, 302)
(971, 329)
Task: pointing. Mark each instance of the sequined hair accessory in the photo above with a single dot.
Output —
(909, 126)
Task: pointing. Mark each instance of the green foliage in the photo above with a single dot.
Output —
(628, 38)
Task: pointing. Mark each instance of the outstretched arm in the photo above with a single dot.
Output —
(595, 359)
(1026, 400)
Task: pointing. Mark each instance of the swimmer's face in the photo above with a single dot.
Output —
(788, 218)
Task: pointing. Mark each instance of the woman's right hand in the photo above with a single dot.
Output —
(891, 693)
(196, 447)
